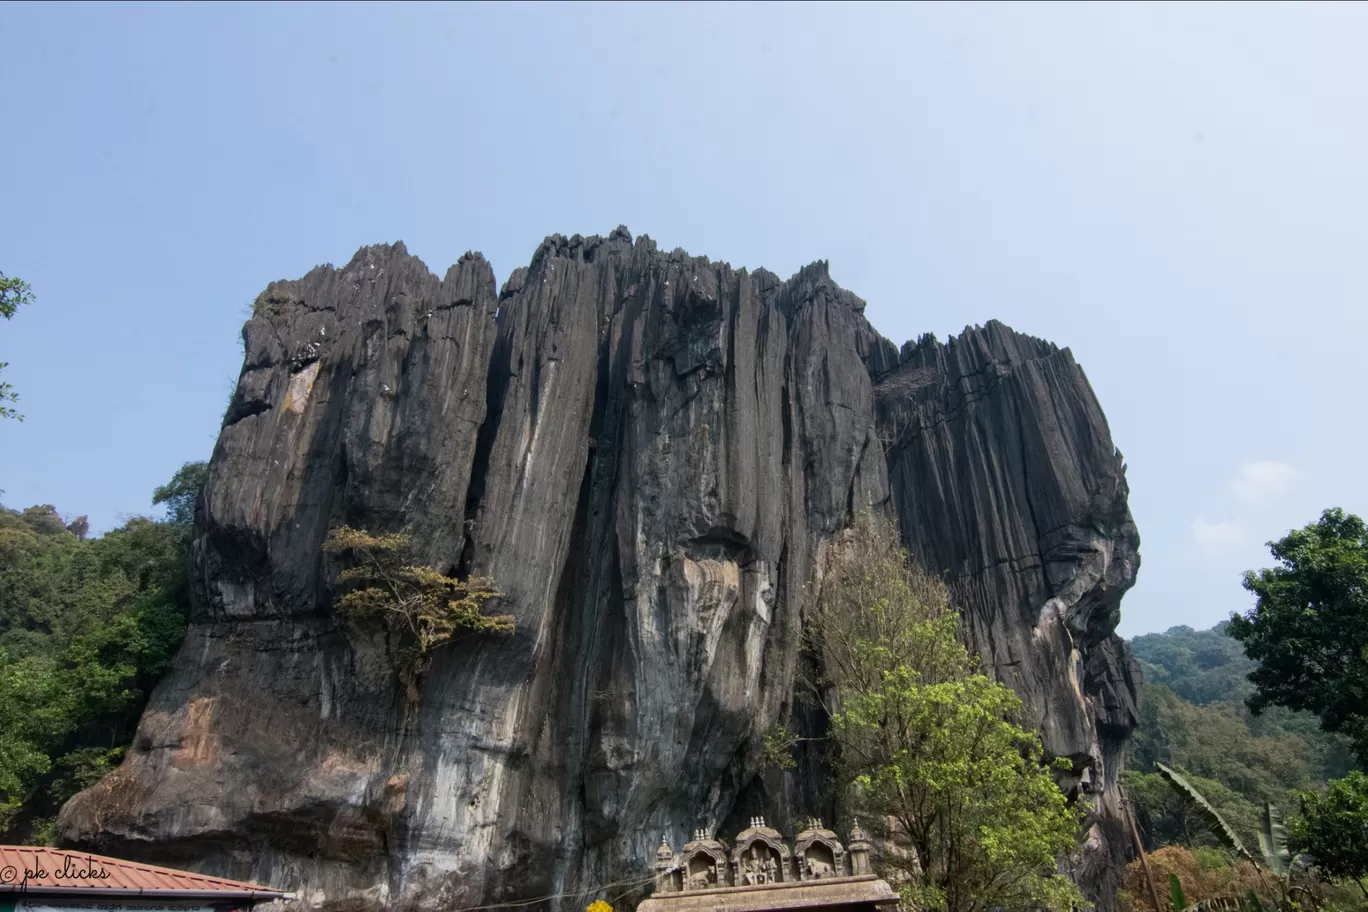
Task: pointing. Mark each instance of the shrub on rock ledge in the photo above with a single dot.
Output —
(420, 608)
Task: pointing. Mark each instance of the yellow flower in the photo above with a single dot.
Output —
(599, 905)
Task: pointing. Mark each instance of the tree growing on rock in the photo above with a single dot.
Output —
(928, 743)
(420, 608)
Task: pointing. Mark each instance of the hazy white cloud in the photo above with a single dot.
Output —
(1218, 536)
(1260, 482)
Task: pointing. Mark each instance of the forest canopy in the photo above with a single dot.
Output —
(87, 626)
(1194, 717)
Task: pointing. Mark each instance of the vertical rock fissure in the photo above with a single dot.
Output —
(654, 529)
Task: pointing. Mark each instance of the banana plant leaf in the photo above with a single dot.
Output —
(1176, 896)
(1209, 813)
(1220, 904)
(1273, 842)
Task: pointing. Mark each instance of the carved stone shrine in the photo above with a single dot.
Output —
(759, 872)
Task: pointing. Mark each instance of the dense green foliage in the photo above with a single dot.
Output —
(1266, 711)
(14, 293)
(1201, 666)
(1194, 718)
(87, 626)
(929, 745)
(1333, 829)
(1211, 817)
(1308, 629)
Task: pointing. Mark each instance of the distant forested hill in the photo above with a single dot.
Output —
(1194, 718)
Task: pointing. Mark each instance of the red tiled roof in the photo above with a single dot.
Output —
(32, 868)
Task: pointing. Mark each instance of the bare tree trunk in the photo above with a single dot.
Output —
(1144, 862)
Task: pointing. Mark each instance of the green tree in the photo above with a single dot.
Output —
(1193, 716)
(930, 744)
(1308, 629)
(180, 493)
(87, 627)
(13, 294)
(419, 608)
(1333, 829)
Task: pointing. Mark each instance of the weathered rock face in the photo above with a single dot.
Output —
(648, 452)
(1005, 479)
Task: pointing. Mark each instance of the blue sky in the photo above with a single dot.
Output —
(1175, 192)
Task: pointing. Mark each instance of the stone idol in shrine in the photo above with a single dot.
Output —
(759, 872)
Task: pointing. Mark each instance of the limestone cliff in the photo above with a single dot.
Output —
(648, 452)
